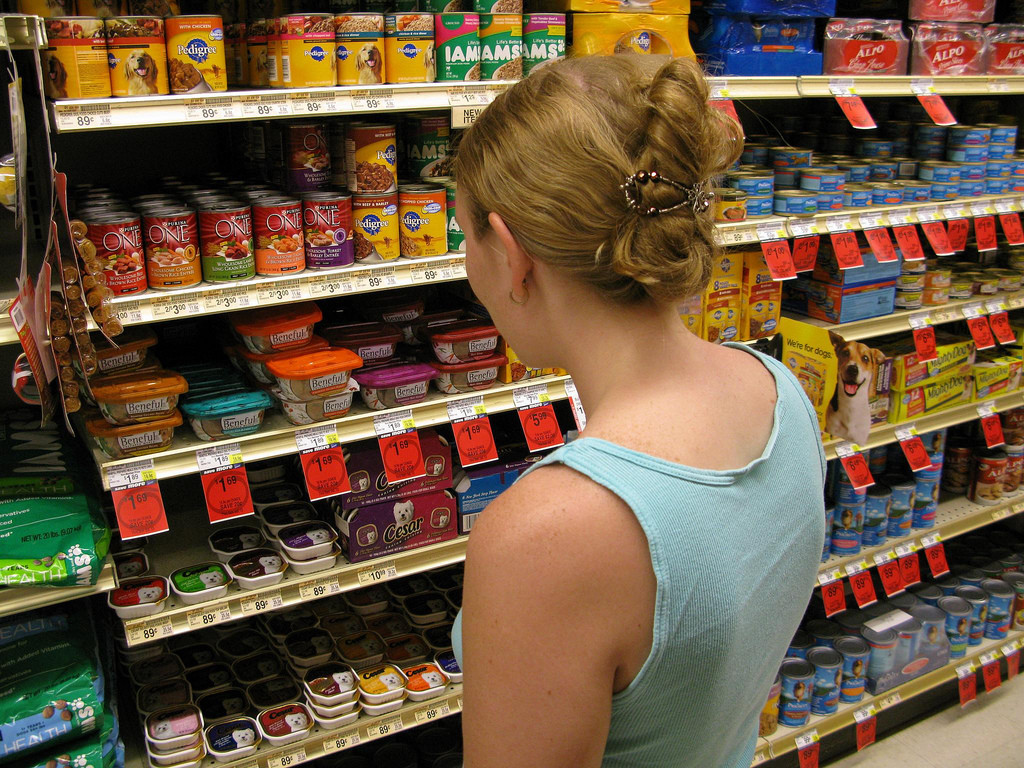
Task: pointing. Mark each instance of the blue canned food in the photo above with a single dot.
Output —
(844, 492)
(856, 196)
(927, 593)
(1018, 167)
(935, 442)
(973, 171)
(878, 460)
(906, 167)
(971, 578)
(915, 191)
(1017, 184)
(822, 180)
(795, 699)
(972, 154)
(948, 191)
(855, 653)
(909, 633)
(939, 171)
(998, 169)
(948, 584)
(876, 515)
(754, 154)
(886, 194)
(826, 550)
(926, 502)
(847, 529)
(926, 132)
(934, 472)
(977, 598)
(900, 522)
(1000, 598)
(1003, 134)
(995, 186)
(801, 643)
(883, 171)
(758, 206)
(929, 151)
(828, 680)
(793, 202)
(932, 620)
(874, 148)
(970, 188)
(958, 624)
(830, 201)
(856, 172)
(759, 184)
(902, 490)
(823, 632)
(900, 147)
(790, 157)
(1000, 151)
(883, 650)
(968, 136)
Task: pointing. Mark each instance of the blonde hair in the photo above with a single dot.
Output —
(549, 156)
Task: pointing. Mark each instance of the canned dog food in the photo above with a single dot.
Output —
(327, 230)
(874, 148)
(225, 242)
(795, 202)
(729, 204)
(195, 53)
(1001, 151)
(456, 238)
(256, 53)
(375, 227)
(457, 41)
(117, 237)
(795, 697)
(307, 51)
(753, 183)
(973, 171)
(822, 180)
(789, 157)
(945, 191)
(75, 62)
(876, 515)
(855, 171)
(970, 154)
(426, 146)
(856, 196)
(988, 187)
(171, 237)
(855, 653)
(968, 136)
(958, 624)
(501, 46)
(786, 178)
(359, 38)
(370, 158)
(999, 169)
(828, 679)
(886, 193)
(1000, 602)
(977, 599)
(830, 201)
(409, 55)
(277, 234)
(274, 78)
(137, 55)
(308, 164)
(883, 171)
(847, 528)
(987, 472)
(422, 221)
(906, 167)
(754, 154)
(927, 132)
(1000, 134)
(543, 39)
(769, 721)
(759, 207)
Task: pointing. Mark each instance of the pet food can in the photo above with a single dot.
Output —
(307, 51)
(171, 237)
(822, 180)
(1014, 469)
(801, 643)
(930, 151)
(47, 8)
(878, 459)
(973, 171)
(277, 233)
(754, 154)
(945, 190)
(795, 202)
(874, 148)
(909, 633)
(926, 593)
(998, 169)
(137, 55)
(501, 46)
(855, 654)
(795, 697)
(883, 650)
(968, 136)
(828, 680)
(759, 207)
(856, 195)
(958, 624)
(915, 191)
(359, 41)
(948, 585)
(990, 187)
(422, 220)
(845, 493)
(456, 238)
(274, 77)
(967, 154)
(118, 240)
(729, 204)
(307, 157)
(830, 201)
(961, 288)
(856, 172)
(986, 486)
(457, 40)
(543, 39)
(256, 53)
(912, 298)
(928, 132)
(1000, 606)
(906, 167)
(939, 171)
(327, 229)
(225, 242)
(375, 227)
(886, 193)
(932, 621)
(935, 297)
(753, 183)
(977, 598)
(790, 157)
(847, 529)
(912, 281)
(409, 48)
(75, 61)
(769, 722)
(823, 632)
(786, 178)
(426, 146)
(971, 188)
(1000, 134)
(876, 515)
(883, 170)
(1001, 151)
(1016, 583)
(370, 157)
(195, 52)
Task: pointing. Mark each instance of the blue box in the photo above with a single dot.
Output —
(827, 270)
(477, 487)
(839, 303)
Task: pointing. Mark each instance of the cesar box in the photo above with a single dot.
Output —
(396, 526)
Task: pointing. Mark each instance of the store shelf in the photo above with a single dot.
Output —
(17, 599)
(783, 740)
(168, 553)
(883, 85)
(19, 32)
(277, 436)
(883, 434)
(235, 106)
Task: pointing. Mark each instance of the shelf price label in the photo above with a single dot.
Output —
(264, 105)
(808, 746)
(856, 467)
(938, 238)
(910, 565)
(138, 505)
(1010, 223)
(266, 601)
(854, 108)
(924, 337)
(909, 242)
(377, 573)
(777, 255)
(129, 312)
(208, 616)
(761, 757)
(225, 482)
(323, 461)
(956, 230)
(373, 99)
(472, 427)
(282, 290)
(935, 554)
(978, 325)
(399, 445)
(999, 322)
(985, 232)
(312, 103)
(288, 760)
(990, 424)
(183, 305)
(341, 741)
(889, 573)
(577, 405)
(435, 712)
(846, 249)
(866, 726)
(537, 417)
(314, 590)
(933, 104)
(967, 682)
(147, 632)
(861, 584)
(384, 728)
(832, 593)
(990, 673)
(880, 243)
(227, 299)
(325, 286)
(913, 448)
(805, 252)
(214, 108)
(72, 117)
(1011, 652)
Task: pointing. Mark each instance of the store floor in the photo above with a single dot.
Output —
(986, 734)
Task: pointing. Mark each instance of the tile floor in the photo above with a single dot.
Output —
(986, 734)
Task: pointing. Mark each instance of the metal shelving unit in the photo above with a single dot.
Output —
(17, 599)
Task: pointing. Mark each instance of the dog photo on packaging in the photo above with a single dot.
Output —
(849, 411)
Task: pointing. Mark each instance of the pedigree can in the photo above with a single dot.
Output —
(457, 41)
(118, 239)
(359, 53)
(327, 229)
(75, 63)
(375, 227)
(277, 232)
(543, 39)
(409, 55)
(307, 51)
(225, 241)
(195, 51)
(308, 161)
(256, 52)
(501, 46)
(136, 55)
(422, 222)
(171, 237)
(370, 157)
(426, 146)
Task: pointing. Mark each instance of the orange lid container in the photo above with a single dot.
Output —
(138, 385)
(315, 343)
(129, 353)
(264, 322)
(308, 365)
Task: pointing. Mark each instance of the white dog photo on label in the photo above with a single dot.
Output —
(849, 411)
(404, 511)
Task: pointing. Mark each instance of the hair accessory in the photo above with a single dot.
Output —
(698, 196)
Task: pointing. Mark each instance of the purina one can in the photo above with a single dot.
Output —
(327, 229)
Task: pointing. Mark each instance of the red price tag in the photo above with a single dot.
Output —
(856, 112)
(857, 470)
(881, 244)
(402, 456)
(981, 331)
(1012, 228)
(990, 674)
(999, 322)
(985, 233)
(475, 441)
(992, 428)
(924, 343)
(140, 510)
(917, 455)
(936, 108)
(540, 427)
(325, 472)
(957, 231)
(227, 493)
(936, 557)
(805, 252)
(846, 249)
(937, 237)
(726, 105)
(909, 242)
(968, 689)
(910, 569)
(834, 598)
(779, 259)
(866, 732)
(891, 576)
(863, 589)
(808, 756)
(1012, 665)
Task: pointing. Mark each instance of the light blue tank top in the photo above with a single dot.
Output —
(735, 554)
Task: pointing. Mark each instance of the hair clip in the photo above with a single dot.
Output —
(698, 196)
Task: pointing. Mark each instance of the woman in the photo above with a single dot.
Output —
(628, 602)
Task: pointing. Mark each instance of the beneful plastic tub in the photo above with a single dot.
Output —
(129, 354)
(393, 386)
(135, 398)
(275, 329)
(473, 376)
(314, 375)
(464, 341)
(231, 414)
(375, 343)
(256, 362)
(320, 409)
(123, 442)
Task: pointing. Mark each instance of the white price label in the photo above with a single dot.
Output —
(864, 713)
(318, 437)
(132, 473)
(129, 313)
(288, 760)
(183, 305)
(1000, 514)
(827, 577)
(219, 457)
(377, 573)
(771, 230)
(805, 740)
(284, 290)
(148, 631)
(761, 757)
(845, 448)
(931, 539)
(919, 321)
(384, 728)
(1009, 649)
(922, 85)
(998, 85)
(842, 87)
(468, 95)
(387, 424)
(905, 432)
(207, 617)
(891, 700)
(313, 103)
(802, 227)
(981, 209)
(944, 315)
(884, 557)
(377, 98)
(996, 306)
(375, 279)
(433, 713)
(955, 211)
(264, 105)
(71, 117)
(839, 223)
(437, 271)
(928, 213)
(965, 669)
(313, 590)
(576, 404)
(1015, 302)
(852, 569)
(214, 108)
(340, 742)
(527, 397)
(467, 408)
(902, 550)
(323, 286)
(268, 601)
(972, 310)
(988, 658)
(458, 267)
(898, 218)
(719, 88)
(985, 409)
(873, 220)
(228, 298)
(1018, 508)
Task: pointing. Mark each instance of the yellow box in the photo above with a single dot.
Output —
(516, 370)
(692, 313)
(726, 272)
(995, 375)
(930, 396)
(722, 315)
(644, 33)
(954, 355)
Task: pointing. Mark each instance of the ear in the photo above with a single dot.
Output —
(836, 339)
(516, 260)
(878, 356)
